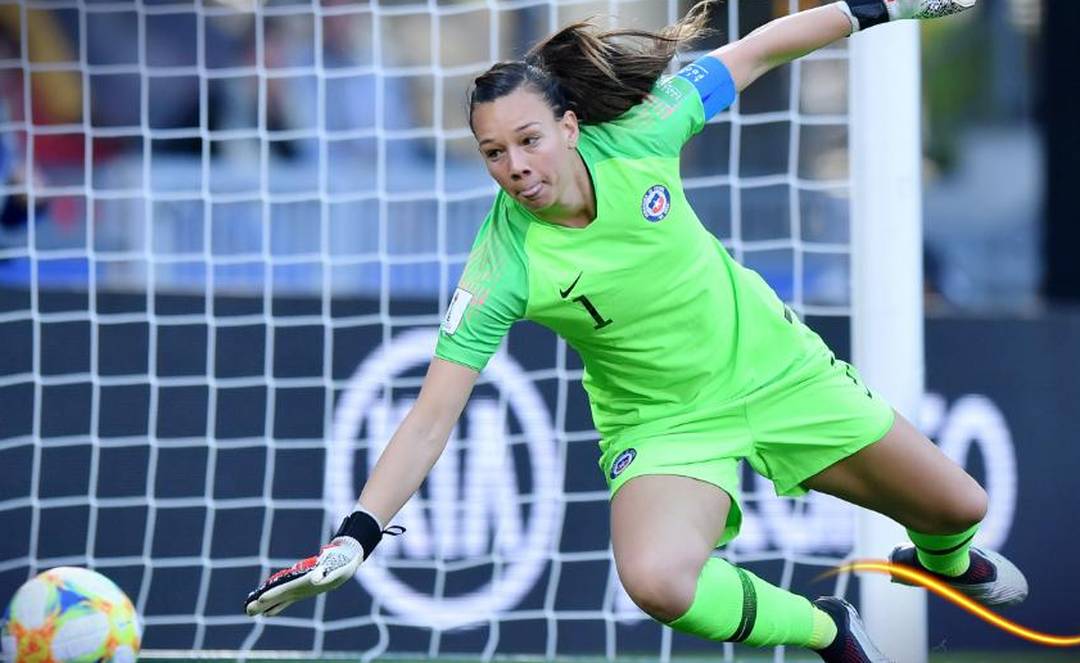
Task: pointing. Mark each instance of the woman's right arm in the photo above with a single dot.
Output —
(419, 440)
(412, 451)
(784, 39)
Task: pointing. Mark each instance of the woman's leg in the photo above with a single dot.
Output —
(664, 529)
(907, 478)
(904, 476)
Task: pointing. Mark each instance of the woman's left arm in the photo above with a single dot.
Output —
(785, 39)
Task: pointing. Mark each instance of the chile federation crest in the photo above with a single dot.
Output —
(656, 203)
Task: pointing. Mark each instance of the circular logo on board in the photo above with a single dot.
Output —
(622, 462)
(656, 203)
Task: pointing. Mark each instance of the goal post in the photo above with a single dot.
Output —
(887, 315)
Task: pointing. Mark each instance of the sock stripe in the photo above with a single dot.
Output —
(946, 551)
(749, 608)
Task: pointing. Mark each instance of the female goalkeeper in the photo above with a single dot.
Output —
(691, 361)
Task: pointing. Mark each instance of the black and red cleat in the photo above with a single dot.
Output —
(990, 579)
(852, 644)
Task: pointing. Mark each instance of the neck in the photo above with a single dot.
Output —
(576, 208)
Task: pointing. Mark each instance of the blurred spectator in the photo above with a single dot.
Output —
(983, 164)
(173, 95)
(14, 183)
(13, 205)
(351, 88)
(55, 98)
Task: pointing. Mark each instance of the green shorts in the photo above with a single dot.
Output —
(789, 430)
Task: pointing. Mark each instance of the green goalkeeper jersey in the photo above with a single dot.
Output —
(671, 330)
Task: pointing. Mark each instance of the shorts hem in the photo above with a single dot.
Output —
(735, 515)
(795, 488)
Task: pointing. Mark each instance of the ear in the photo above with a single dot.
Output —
(568, 123)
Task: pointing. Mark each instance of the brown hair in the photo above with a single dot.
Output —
(598, 74)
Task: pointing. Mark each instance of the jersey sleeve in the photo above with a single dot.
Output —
(491, 296)
(679, 106)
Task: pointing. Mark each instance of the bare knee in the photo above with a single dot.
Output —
(662, 587)
(962, 511)
(969, 509)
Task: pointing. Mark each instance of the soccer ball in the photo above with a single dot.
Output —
(70, 614)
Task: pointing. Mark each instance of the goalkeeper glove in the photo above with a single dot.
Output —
(868, 13)
(336, 562)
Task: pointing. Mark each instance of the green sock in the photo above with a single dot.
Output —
(946, 554)
(731, 604)
(825, 630)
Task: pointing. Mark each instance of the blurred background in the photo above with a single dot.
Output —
(174, 104)
(215, 218)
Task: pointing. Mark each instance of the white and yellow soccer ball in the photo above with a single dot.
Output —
(68, 614)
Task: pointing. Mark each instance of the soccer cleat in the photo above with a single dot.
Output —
(852, 644)
(991, 579)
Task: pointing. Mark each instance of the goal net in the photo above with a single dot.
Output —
(241, 238)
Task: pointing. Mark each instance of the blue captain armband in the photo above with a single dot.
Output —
(713, 82)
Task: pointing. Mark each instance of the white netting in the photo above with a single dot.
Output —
(222, 241)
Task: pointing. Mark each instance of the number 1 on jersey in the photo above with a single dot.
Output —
(600, 321)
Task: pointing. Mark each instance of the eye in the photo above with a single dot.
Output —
(530, 140)
(492, 155)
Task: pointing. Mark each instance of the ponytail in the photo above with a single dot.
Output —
(597, 74)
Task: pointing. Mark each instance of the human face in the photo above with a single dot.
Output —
(526, 149)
